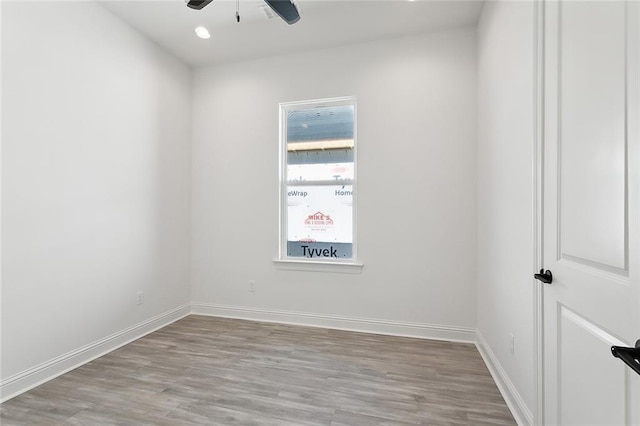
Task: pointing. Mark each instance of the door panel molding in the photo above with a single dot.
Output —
(591, 135)
(607, 271)
(566, 313)
(590, 370)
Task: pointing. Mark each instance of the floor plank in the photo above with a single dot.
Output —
(205, 370)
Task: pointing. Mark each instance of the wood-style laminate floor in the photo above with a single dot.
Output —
(213, 371)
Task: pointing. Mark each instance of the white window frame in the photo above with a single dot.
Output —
(283, 261)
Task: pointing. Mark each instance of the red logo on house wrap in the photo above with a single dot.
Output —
(318, 218)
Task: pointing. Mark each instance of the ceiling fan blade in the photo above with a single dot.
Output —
(198, 4)
(285, 9)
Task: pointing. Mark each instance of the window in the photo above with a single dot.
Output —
(317, 180)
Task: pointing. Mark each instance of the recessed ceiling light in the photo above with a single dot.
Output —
(202, 32)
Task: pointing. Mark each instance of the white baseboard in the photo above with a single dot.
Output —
(516, 404)
(29, 379)
(394, 328)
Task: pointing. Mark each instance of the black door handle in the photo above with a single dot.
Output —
(630, 356)
(543, 276)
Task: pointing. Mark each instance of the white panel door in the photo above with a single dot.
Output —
(591, 214)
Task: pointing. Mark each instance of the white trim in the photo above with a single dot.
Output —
(366, 325)
(538, 176)
(35, 376)
(282, 169)
(1, 186)
(318, 266)
(516, 404)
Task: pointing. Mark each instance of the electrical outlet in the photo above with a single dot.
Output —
(512, 343)
(140, 295)
(252, 286)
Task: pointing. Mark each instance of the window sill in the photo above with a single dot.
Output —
(318, 266)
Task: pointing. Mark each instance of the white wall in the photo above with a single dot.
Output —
(506, 132)
(95, 181)
(416, 190)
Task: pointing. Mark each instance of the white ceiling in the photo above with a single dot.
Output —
(323, 23)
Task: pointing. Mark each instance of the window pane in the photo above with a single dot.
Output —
(320, 217)
(320, 123)
(319, 178)
(335, 172)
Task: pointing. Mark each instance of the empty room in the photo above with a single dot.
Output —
(320, 212)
